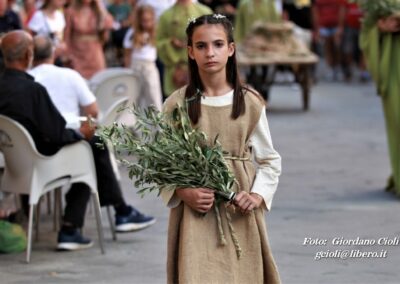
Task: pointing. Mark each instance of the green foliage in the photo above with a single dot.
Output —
(169, 153)
(375, 9)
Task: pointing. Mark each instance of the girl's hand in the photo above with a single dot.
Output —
(247, 202)
(199, 199)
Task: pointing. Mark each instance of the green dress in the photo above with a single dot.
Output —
(382, 53)
(251, 11)
(173, 23)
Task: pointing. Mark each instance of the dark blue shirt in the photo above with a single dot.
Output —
(10, 21)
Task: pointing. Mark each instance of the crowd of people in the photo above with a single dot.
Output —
(53, 47)
(40, 109)
(101, 27)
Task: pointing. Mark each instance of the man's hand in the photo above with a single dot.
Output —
(199, 199)
(87, 129)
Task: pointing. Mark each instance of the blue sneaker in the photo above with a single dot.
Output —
(73, 242)
(133, 222)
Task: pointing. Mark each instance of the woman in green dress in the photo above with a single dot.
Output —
(380, 42)
(171, 41)
(251, 11)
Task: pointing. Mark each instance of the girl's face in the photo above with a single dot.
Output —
(210, 48)
(147, 21)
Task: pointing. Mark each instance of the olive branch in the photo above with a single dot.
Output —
(169, 153)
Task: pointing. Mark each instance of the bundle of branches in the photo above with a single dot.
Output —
(171, 153)
(374, 9)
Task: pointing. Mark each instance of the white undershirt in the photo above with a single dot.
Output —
(266, 158)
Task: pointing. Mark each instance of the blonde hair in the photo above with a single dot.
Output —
(139, 34)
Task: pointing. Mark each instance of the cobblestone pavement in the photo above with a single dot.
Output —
(335, 166)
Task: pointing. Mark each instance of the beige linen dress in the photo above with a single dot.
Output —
(195, 254)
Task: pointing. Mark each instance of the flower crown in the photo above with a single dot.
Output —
(218, 16)
(192, 20)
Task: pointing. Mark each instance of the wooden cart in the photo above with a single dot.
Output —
(299, 65)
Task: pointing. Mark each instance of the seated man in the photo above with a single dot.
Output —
(29, 103)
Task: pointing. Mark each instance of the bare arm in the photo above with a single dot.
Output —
(342, 23)
(315, 20)
(91, 110)
(127, 57)
(88, 128)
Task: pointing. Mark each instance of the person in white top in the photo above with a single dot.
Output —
(141, 54)
(68, 90)
(49, 20)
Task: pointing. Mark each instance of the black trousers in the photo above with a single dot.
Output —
(108, 187)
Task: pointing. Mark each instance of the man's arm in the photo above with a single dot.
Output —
(49, 122)
(91, 110)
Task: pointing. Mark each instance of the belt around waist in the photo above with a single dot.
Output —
(234, 158)
(86, 38)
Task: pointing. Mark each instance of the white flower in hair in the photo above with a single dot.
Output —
(219, 16)
(191, 20)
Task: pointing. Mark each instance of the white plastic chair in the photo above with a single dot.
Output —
(112, 84)
(1, 161)
(112, 113)
(110, 116)
(115, 88)
(29, 172)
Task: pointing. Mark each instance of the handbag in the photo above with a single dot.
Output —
(12, 237)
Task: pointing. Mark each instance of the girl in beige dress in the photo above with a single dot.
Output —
(219, 104)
